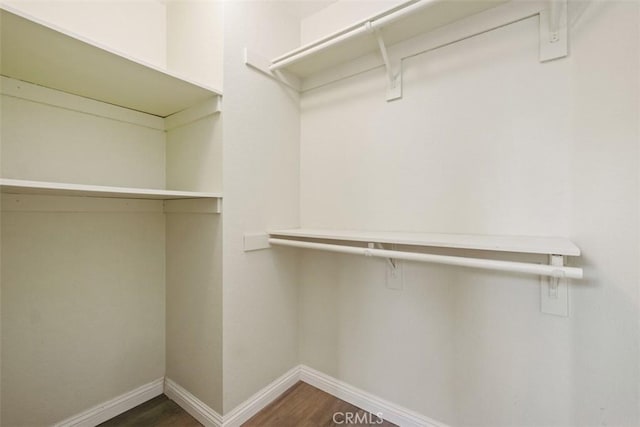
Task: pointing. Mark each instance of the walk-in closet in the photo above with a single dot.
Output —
(323, 212)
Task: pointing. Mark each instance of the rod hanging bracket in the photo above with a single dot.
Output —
(394, 270)
(554, 291)
(554, 31)
(392, 65)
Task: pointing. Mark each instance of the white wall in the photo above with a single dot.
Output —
(82, 307)
(194, 264)
(485, 140)
(45, 143)
(194, 156)
(194, 305)
(339, 15)
(195, 40)
(261, 157)
(134, 27)
(194, 241)
(82, 280)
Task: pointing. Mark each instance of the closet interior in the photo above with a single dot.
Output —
(410, 192)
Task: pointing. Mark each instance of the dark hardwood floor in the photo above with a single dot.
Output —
(306, 406)
(300, 406)
(157, 412)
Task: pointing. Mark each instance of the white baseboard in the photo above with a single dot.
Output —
(243, 412)
(389, 411)
(258, 401)
(107, 410)
(194, 406)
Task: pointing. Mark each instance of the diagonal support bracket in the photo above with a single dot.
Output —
(262, 64)
(393, 67)
(394, 270)
(554, 31)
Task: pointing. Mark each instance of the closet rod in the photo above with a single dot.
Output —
(487, 264)
(373, 24)
(363, 29)
(366, 27)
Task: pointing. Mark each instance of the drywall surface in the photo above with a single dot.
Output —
(41, 142)
(82, 310)
(194, 156)
(604, 217)
(485, 140)
(194, 305)
(83, 279)
(135, 28)
(194, 264)
(394, 344)
(339, 15)
(194, 40)
(261, 158)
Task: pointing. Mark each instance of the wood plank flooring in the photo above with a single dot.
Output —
(300, 406)
(306, 406)
(157, 412)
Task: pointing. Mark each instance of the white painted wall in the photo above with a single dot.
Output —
(84, 315)
(67, 325)
(83, 280)
(45, 143)
(261, 158)
(82, 309)
(89, 153)
(195, 40)
(194, 241)
(194, 264)
(485, 140)
(194, 156)
(339, 15)
(194, 305)
(134, 27)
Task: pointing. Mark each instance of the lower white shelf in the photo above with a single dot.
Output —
(18, 186)
(350, 242)
(519, 244)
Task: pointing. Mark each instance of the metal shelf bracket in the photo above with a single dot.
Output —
(554, 292)
(554, 31)
(394, 271)
(392, 65)
(263, 65)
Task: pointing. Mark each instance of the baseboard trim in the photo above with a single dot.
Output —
(194, 406)
(111, 408)
(389, 411)
(258, 401)
(243, 412)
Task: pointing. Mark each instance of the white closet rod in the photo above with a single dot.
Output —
(487, 264)
(366, 27)
(321, 46)
(375, 23)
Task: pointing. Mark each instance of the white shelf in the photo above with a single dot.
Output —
(519, 244)
(39, 53)
(17, 186)
(395, 25)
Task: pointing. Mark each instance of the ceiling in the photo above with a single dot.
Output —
(303, 8)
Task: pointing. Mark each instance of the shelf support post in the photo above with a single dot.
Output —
(553, 31)
(393, 67)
